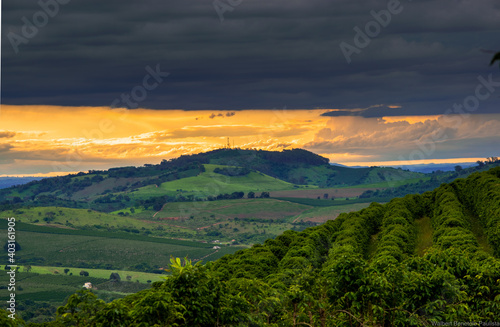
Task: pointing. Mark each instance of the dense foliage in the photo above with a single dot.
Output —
(357, 270)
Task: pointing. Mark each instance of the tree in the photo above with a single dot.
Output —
(66, 271)
(158, 308)
(115, 313)
(458, 168)
(264, 195)
(198, 290)
(115, 277)
(251, 195)
(80, 309)
(7, 321)
(237, 195)
(17, 200)
(84, 273)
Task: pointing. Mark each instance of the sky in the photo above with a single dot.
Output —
(98, 84)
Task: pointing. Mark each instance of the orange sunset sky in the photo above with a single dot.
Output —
(50, 140)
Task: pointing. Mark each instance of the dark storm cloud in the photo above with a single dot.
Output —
(374, 111)
(263, 55)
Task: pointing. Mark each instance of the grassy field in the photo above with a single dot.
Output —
(73, 217)
(49, 288)
(135, 276)
(336, 202)
(100, 187)
(244, 220)
(223, 220)
(76, 219)
(229, 209)
(210, 183)
(322, 214)
(232, 219)
(97, 231)
(337, 193)
(87, 251)
(55, 288)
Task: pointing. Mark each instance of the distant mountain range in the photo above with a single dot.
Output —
(6, 182)
(422, 168)
(432, 167)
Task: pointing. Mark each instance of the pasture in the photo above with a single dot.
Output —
(80, 251)
(210, 183)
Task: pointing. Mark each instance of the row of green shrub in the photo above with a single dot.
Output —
(481, 192)
(397, 237)
(450, 222)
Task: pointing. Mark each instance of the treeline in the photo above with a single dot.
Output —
(191, 170)
(68, 185)
(357, 270)
(156, 203)
(110, 202)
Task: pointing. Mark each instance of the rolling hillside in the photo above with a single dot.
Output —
(210, 183)
(264, 170)
(201, 207)
(420, 260)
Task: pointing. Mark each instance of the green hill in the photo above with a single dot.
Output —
(210, 183)
(422, 260)
(264, 170)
